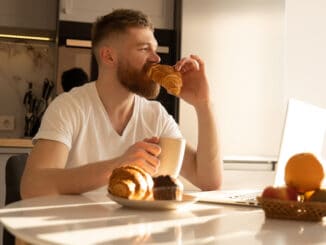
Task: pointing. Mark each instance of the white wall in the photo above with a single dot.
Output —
(160, 11)
(305, 50)
(242, 44)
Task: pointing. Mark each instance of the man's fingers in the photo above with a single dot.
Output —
(145, 155)
(198, 60)
(149, 158)
(152, 148)
(154, 140)
(188, 64)
(150, 165)
(141, 163)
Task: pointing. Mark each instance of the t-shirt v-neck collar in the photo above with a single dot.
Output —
(131, 121)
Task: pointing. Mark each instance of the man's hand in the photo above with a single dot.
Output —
(195, 88)
(143, 154)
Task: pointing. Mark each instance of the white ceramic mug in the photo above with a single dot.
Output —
(171, 156)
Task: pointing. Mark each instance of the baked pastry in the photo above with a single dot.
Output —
(131, 182)
(167, 77)
(167, 188)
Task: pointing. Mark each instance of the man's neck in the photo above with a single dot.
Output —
(117, 101)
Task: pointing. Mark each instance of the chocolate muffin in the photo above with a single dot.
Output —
(167, 188)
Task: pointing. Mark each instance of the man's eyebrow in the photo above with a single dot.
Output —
(155, 45)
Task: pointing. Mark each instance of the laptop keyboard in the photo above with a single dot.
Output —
(246, 197)
(236, 197)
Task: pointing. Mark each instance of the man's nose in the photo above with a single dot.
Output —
(155, 58)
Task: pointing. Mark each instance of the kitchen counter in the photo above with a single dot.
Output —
(16, 143)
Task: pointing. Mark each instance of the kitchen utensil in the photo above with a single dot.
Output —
(47, 89)
(28, 98)
(40, 107)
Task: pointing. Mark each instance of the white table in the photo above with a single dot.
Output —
(95, 219)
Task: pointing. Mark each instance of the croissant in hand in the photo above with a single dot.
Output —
(131, 182)
(167, 77)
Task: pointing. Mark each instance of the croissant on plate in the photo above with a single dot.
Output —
(131, 182)
(167, 77)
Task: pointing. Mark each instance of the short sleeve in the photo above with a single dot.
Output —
(59, 121)
(169, 126)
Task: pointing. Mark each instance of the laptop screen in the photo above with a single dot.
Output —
(304, 131)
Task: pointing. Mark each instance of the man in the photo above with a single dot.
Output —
(95, 128)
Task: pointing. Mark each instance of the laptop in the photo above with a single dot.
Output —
(304, 131)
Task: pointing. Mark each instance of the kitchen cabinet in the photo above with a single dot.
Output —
(36, 17)
(161, 12)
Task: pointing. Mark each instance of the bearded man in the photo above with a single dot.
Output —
(110, 122)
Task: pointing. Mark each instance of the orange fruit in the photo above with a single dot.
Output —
(304, 172)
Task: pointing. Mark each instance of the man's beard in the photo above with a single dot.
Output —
(137, 81)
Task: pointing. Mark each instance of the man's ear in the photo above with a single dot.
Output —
(107, 55)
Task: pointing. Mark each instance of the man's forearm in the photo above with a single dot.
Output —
(53, 181)
(208, 157)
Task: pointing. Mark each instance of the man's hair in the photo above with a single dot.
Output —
(117, 21)
(73, 77)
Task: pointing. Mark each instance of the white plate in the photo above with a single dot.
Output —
(154, 204)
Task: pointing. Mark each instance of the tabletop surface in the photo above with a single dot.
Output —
(95, 219)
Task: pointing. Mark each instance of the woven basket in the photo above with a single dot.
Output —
(293, 210)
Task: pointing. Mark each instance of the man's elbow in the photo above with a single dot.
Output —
(27, 190)
(25, 194)
(213, 187)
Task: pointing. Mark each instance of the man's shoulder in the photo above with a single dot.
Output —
(83, 92)
(77, 100)
(77, 94)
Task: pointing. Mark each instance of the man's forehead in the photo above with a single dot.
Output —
(142, 36)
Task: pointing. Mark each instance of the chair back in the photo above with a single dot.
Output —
(14, 170)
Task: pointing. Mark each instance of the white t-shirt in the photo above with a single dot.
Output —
(79, 120)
